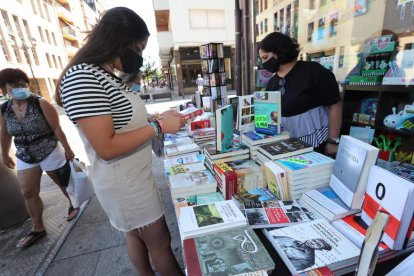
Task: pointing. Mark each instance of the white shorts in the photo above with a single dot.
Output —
(55, 160)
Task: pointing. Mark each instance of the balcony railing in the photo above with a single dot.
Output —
(69, 33)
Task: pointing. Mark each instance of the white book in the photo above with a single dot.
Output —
(181, 149)
(192, 183)
(186, 168)
(353, 161)
(312, 245)
(392, 194)
(406, 267)
(327, 203)
(183, 159)
(245, 113)
(209, 218)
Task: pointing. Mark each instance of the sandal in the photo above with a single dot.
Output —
(30, 238)
(72, 213)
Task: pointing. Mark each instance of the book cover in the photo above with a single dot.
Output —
(273, 213)
(245, 113)
(267, 112)
(276, 180)
(301, 162)
(224, 128)
(312, 245)
(180, 169)
(350, 174)
(390, 193)
(202, 219)
(191, 179)
(231, 252)
(285, 148)
(254, 195)
(404, 170)
(199, 124)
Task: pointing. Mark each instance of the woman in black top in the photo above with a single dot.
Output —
(34, 124)
(311, 105)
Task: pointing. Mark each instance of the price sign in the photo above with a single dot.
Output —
(261, 121)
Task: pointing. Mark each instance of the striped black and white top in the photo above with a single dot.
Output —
(88, 90)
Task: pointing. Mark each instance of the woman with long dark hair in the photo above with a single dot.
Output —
(113, 124)
(311, 106)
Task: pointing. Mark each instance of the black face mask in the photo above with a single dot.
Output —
(271, 65)
(131, 61)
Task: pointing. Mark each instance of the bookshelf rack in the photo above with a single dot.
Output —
(214, 74)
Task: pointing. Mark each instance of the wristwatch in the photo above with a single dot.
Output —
(334, 140)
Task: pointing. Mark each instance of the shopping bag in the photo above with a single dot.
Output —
(158, 145)
(80, 187)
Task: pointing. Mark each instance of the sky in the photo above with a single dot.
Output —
(145, 9)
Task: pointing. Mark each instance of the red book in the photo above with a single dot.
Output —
(200, 124)
(191, 112)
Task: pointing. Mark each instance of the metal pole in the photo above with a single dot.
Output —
(246, 48)
(238, 75)
(30, 65)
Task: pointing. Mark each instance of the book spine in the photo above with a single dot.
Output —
(191, 258)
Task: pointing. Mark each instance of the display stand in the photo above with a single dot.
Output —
(214, 74)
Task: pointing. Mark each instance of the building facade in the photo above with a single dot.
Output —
(182, 26)
(335, 32)
(40, 36)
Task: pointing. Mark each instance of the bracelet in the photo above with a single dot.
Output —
(155, 127)
(159, 125)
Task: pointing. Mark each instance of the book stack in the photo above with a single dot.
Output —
(178, 149)
(236, 152)
(327, 203)
(209, 218)
(306, 172)
(253, 140)
(282, 149)
(203, 135)
(312, 245)
(237, 176)
(225, 253)
(275, 213)
(192, 183)
(348, 182)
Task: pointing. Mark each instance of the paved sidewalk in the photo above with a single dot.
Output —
(87, 245)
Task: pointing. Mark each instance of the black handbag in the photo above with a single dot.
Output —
(64, 174)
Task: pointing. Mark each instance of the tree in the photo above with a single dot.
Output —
(149, 71)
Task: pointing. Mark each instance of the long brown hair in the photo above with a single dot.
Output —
(118, 28)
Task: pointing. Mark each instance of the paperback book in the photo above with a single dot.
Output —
(191, 112)
(209, 218)
(353, 161)
(276, 180)
(390, 193)
(196, 200)
(267, 112)
(312, 245)
(327, 203)
(252, 138)
(192, 183)
(254, 195)
(183, 160)
(274, 213)
(224, 128)
(284, 148)
(245, 113)
(231, 252)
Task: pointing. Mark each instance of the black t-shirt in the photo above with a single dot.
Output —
(307, 85)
